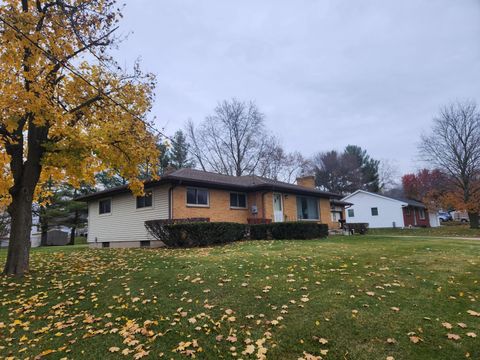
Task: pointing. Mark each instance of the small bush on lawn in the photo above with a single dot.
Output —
(196, 234)
(288, 230)
(80, 240)
(357, 228)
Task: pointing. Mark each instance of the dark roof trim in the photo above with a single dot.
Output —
(288, 188)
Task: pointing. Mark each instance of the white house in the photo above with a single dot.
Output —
(381, 211)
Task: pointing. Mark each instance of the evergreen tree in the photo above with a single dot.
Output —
(368, 167)
(179, 152)
(163, 157)
(346, 172)
(63, 210)
(109, 179)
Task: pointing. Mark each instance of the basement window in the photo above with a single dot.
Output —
(105, 244)
(145, 243)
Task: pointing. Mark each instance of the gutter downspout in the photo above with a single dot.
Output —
(170, 201)
(263, 204)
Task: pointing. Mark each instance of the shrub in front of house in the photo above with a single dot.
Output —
(357, 228)
(297, 230)
(259, 232)
(195, 234)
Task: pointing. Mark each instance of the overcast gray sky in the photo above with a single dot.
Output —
(325, 73)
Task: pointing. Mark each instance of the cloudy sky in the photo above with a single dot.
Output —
(325, 73)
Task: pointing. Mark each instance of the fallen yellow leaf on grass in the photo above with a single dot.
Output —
(453, 337)
(140, 354)
(250, 349)
(471, 334)
(307, 356)
(473, 313)
(114, 349)
(447, 325)
(415, 339)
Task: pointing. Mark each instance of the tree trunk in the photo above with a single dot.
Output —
(72, 236)
(20, 211)
(474, 220)
(43, 230)
(44, 237)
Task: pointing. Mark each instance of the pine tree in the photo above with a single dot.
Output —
(63, 210)
(179, 152)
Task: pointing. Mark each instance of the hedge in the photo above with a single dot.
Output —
(297, 230)
(195, 234)
(211, 233)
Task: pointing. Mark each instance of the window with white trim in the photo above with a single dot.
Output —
(421, 213)
(197, 197)
(238, 200)
(145, 201)
(307, 208)
(105, 206)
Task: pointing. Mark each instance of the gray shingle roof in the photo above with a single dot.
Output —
(410, 202)
(210, 179)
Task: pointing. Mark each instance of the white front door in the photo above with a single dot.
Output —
(277, 208)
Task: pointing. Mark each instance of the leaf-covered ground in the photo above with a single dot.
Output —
(341, 298)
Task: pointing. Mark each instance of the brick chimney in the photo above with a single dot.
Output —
(306, 181)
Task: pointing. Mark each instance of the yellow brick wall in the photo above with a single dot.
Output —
(268, 203)
(325, 215)
(289, 207)
(218, 210)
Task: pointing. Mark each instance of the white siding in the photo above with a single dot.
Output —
(389, 210)
(433, 218)
(126, 222)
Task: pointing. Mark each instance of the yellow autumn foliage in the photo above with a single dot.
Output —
(87, 132)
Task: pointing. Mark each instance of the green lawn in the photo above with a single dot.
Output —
(340, 298)
(456, 230)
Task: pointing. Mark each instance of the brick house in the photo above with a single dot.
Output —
(116, 218)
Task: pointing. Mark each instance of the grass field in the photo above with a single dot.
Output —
(339, 298)
(444, 230)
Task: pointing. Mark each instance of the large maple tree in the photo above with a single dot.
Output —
(67, 110)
